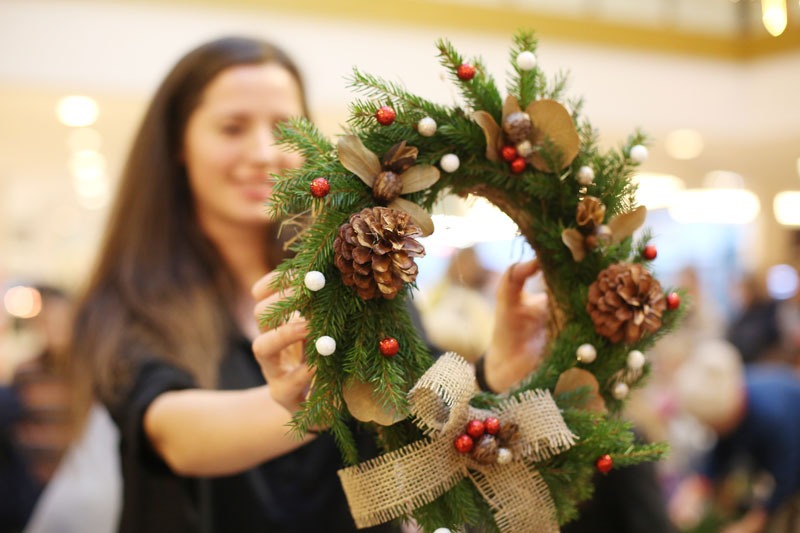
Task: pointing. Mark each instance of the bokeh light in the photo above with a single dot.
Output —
(23, 302)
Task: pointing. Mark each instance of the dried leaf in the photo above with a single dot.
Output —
(356, 158)
(574, 241)
(492, 132)
(552, 120)
(575, 378)
(420, 217)
(418, 178)
(361, 402)
(622, 226)
(510, 105)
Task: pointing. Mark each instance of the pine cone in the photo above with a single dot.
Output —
(375, 251)
(591, 213)
(486, 450)
(626, 301)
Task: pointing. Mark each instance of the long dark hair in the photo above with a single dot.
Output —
(160, 287)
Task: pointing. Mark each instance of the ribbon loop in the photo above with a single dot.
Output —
(397, 483)
(440, 399)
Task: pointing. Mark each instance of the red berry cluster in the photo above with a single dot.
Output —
(510, 155)
(475, 430)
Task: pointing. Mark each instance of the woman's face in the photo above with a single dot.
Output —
(229, 148)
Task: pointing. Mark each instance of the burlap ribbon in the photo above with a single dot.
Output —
(398, 482)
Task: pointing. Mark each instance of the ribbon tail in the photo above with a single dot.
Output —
(397, 483)
(518, 496)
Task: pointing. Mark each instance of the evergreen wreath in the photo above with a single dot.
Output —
(361, 203)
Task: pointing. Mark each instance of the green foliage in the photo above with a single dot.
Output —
(546, 203)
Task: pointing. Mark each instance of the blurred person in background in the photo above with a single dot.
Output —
(754, 332)
(167, 329)
(755, 414)
(78, 466)
(19, 488)
(456, 315)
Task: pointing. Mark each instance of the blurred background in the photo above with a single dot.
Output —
(714, 82)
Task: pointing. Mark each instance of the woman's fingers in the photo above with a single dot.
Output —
(267, 347)
(510, 289)
(262, 288)
(263, 305)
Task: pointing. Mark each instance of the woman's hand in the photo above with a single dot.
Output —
(279, 351)
(520, 329)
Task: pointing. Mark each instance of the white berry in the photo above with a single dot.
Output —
(586, 353)
(620, 391)
(524, 148)
(639, 154)
(526, 60)
(442, 530)
(585, 175)
(504, 456)
(426, 127)
(326, 345)
(449, 163)
(635, 360)
(314, 280)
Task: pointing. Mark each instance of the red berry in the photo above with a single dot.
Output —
(385, 115)
(389, 346)
(673, 301)
(320, 187)
(650, 252)
(492, 425)
(509, 153)
(518, 165)
(464, 443)
(475, 429)
(466, 72)
(604, 463)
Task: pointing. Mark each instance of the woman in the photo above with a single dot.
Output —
(167, 320)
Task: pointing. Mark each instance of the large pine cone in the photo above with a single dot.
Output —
(626, 301)
(375, 251)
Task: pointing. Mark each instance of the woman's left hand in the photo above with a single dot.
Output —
(520, 329)
(279, 351)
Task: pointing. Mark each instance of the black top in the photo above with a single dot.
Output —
(297, 492)
(19, 489)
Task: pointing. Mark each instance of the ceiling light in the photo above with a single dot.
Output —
(77, 111)
(723, 179)
(684, 144)
(656, 191)
(786, 206)
(715, 206)
(773, 15)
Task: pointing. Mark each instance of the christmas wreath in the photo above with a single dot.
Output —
(523, 460)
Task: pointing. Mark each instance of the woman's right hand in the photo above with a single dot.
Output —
(279, 351)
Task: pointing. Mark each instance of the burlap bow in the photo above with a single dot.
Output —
(398, 482)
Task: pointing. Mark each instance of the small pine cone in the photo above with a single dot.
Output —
(387, 186)
(626, 301)
(486, 450)
(509, 434)
(375, 252)
(591, 213)
(399, 158)
(517, 126)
